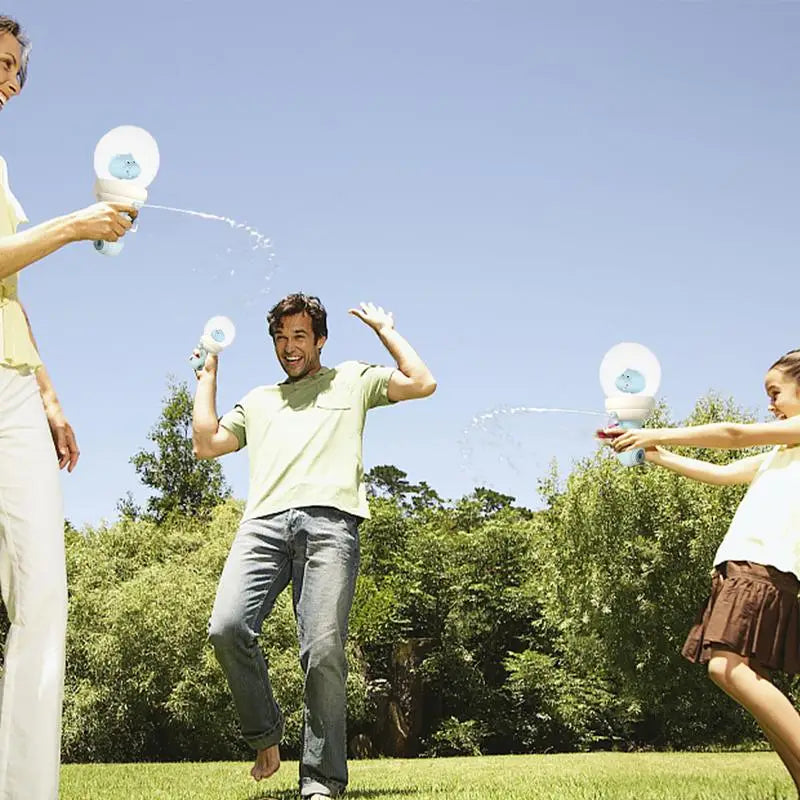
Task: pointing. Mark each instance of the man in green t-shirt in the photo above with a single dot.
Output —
(305, 501)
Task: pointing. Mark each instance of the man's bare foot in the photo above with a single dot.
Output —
(267, 763)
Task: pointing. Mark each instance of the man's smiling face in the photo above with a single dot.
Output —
(296, 348)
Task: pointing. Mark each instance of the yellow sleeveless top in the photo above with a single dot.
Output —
(16, 348)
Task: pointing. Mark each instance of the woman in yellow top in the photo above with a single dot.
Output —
(32, 571)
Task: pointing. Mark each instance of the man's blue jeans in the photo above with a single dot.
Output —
(315, 547)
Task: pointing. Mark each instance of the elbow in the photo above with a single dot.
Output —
(427, 388)
(735, 434)
(721, 478)
(200, 451)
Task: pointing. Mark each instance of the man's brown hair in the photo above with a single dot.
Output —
(299, 304)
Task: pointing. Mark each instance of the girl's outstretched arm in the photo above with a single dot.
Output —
(723, 435)
(741, 471)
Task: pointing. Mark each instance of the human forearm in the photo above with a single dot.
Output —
(48, 393)
(29, 246)
(66, 445)
(688, 467)
(742, 470)
(205, 422)
(46, 390)
(209, 438)
(730, 435)
(407, 360)
(101, 221)
(412, 379)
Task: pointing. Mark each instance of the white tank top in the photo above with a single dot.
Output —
(766, 527)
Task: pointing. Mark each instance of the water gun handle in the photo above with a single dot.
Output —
(112, 248)
(198, 362)
(629, 458)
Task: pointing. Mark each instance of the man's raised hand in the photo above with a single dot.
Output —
(208, 365)
(374, 316)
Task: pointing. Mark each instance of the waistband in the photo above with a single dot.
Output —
(759, 572)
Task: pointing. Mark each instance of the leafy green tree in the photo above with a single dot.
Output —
(181, 484)
(477, 626)
(388, 481)
(626, 569)
(439, 605)
(142, 680)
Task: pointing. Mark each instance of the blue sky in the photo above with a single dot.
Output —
(524, 184)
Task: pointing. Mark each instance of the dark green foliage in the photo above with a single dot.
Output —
(631, 553)
(478, 626)
(390, 482)
(142, 680)
(458, 579)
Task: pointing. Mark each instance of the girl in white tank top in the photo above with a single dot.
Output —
(749, 625)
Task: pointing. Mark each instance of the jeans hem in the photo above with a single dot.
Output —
(268, 739)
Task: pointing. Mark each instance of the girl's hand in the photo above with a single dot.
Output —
(626, 439)
(607, 435)
(646, 438)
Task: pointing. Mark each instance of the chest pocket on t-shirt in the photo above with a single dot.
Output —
(332, 400)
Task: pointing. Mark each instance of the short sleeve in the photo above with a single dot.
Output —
(375, 384)
(235, 422)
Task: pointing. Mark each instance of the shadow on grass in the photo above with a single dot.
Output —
(358, 794)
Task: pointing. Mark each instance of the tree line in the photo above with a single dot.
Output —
(478, 626)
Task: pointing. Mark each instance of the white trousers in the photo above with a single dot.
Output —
(34, 586)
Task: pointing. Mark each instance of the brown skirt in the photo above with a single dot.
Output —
(752, 611)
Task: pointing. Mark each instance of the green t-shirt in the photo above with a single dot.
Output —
(304, 438)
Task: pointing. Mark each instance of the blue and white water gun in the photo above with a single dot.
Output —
(218, 334)
(630, 376)
(126, 161)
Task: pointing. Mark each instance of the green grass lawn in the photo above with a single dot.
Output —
(633, 776)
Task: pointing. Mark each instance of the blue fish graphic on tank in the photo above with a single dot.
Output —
(124, 167)
(631, 381)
